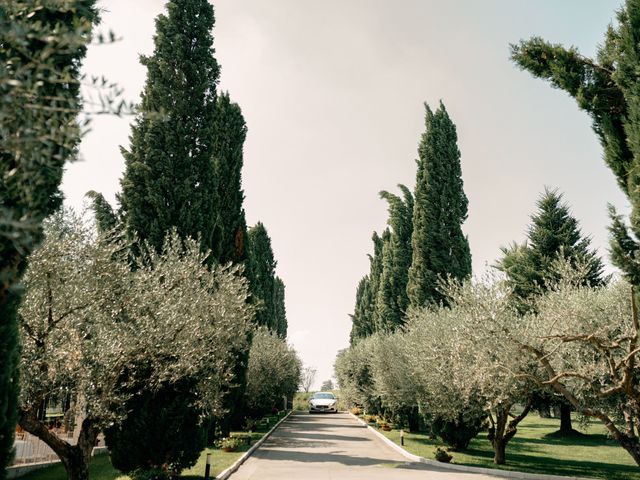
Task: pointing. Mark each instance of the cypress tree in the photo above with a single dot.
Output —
(392, 300)
(41, 49)
(607, 88)
(439, 248)
(362, 317)
(169, 181)
(553, 234)
(230, 132)
(106, 217)
(280, 308)
(261, 266)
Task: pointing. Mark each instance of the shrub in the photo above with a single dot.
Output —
(458, 433)
(229, 444)
(442, 456)
(156, 473)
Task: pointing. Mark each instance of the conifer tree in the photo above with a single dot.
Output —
(439, 248)
(280, 308)
(261, 266)
(362, 317)
(607, 89)
(553, 234)
(41, 49)
(392, 300)
(169, 181)
(230, 132)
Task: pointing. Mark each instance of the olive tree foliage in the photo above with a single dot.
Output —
(273, 371)
(92, 326)
(354, 374)
(585, 342)
(464, 360)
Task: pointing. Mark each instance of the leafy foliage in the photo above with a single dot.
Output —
(273, 371)
(41, 46)
(93, 326)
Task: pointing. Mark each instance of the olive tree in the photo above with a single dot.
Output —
(466, 364)
(91, 325)
(273, 371)
(585, 342)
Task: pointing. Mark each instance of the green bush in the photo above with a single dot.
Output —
(458, 433)
(162, 430)
(156, 473)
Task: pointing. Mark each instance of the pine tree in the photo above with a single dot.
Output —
(439, 248)
(169, 181)
(230, 132)
(553, 234)
(41, 49)
(392, 300)
(607, 88)
(261, 266)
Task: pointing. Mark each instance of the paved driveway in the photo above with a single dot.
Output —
(334, 446)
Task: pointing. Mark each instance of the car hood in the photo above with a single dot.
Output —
(322, 401)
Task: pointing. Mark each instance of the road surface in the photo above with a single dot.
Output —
(336, 447)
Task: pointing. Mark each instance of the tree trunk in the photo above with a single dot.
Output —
(75, 458)
(499, 452)
(632, 446)
(414, 420)
(76, 466)
(566, 427)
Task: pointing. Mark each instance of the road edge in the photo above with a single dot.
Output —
(225, 474)
(465, 468)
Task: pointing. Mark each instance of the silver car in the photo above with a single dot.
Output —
(323, 402)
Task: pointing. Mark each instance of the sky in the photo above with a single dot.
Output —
(333, 93)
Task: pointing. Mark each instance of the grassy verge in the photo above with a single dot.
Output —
(534, 449)
(101, 468)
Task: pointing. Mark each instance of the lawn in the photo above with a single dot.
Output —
(101, 468)
(535, 450)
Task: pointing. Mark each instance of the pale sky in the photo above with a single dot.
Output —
(333, 94)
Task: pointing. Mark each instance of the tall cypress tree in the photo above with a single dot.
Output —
(169, 181)
(230, 132)
(608, 89)
(280, 308)
(362, 318)
(262, 266)
(41, 49)
(439, 248)
(392, 300)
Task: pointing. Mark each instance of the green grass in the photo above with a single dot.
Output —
(101, 468)
(535, 450)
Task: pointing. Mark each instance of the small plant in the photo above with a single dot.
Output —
(356, 411)
(243, 437)
(229, 444)
(386, 427)
(156, 473)
(250, 425)
(441, 455)
(370, 419)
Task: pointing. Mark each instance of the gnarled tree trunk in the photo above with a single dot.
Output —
(501, 431)
(75, 458)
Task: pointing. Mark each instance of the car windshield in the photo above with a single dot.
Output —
(328, 396)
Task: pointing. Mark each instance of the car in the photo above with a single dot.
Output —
(323, 402)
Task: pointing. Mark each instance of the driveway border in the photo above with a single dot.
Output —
(225, 474)
(465, 468)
